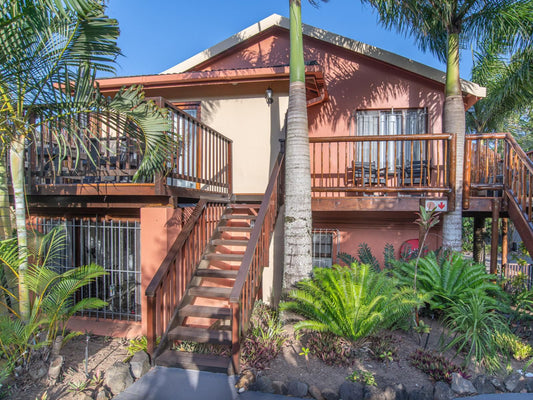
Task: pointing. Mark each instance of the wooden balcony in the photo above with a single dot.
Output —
(107, 160)
(372, 173)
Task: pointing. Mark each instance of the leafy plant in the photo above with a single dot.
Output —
(388, 256)
(447, 279)
(352, 302)
(137, 344)
(202, 348)
(330, 349)
(436, 366)
(265, 338)
(346, 258)
(513, 345)
(383, 347)
(472, 322)
(365, 377)
(366, 257)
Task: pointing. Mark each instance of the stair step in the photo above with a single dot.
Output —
(204, 311)
(209, 291)
(229, 242)
(217, 273)
(256, 206)
(199, 362)
(235, 228)
(200, 335)
(224, 257)
(239, 216)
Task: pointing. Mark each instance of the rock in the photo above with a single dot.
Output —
(55, 368)
(139, 364)
(118, 377)
(280, 387)
(401, 391)
(484, 385)
(511, 383)
(37, 370)
(102, 395)
(423, 393)
(315, 393)
(351, 391)
(85, 396)
(461, 385)
(442, 391)
(528, 384)
(498, 383)
(245, 381)
(375, 393)
(264, 384)
(297, 388)
(330, 394)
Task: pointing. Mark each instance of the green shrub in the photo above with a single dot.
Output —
(365, 377)
(331, 349)
(447, 279)
(473, 325)
(351, 302)
(435, 365)
(512, 345)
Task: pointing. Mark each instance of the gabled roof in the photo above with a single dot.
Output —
(276, 20)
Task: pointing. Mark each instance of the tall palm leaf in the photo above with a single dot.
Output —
(443, 28)
(50, 55)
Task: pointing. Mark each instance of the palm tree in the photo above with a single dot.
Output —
(443, 27)
(298, 223)
(50, 54)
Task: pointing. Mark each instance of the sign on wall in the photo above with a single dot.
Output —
(437, 205)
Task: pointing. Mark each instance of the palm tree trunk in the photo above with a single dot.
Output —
(454, 122)
(298, 223)
(5, 220)
(17, 178)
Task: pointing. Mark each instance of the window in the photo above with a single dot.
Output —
(390, 122)
(325, 247)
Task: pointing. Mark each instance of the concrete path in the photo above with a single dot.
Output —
(162, 383)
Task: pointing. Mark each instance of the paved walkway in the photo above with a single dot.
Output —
(180, 384)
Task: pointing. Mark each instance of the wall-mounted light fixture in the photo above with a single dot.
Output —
(269, 96)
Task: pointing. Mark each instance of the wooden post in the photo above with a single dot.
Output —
(505, 241)
(151, 326)
(479, 225)
(494, 237)
(235, 338)
(467, 174)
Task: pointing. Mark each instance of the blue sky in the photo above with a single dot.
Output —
(157, 34)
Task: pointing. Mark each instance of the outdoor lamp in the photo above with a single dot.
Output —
(269, 93)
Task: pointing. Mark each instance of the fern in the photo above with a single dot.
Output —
(388, 256)
(351, 302)
(346, 258)
(366, 256)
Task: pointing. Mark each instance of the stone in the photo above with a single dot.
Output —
(118, 377)
(375, 393)
(330, 394)
(38, 370)
(297, 388)
(85, 396)
(246, 379)
(528, 384)
(442, 391)
(462, 386)
(423, 393)
(498, 383)
(102, 395)
(351, 391)
(315, 392)
(401, 391)
(54, 370)
(264, 384)
(140, 364)
(280, 387)
(484, 385)
(511, 382)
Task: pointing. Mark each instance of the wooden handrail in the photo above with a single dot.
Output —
(168, 286)
(381, 138)
(248, 280)
(163, 269)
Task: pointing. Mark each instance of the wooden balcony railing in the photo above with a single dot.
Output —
(200, 157)
(167, 288)
(382, 165)
(256, 257)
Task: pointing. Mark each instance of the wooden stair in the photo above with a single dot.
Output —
(205, 315)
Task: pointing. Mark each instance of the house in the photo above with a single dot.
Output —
(188, 249)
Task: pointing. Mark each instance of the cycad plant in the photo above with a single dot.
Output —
(447, 279)
(52, 297)
(351, 302)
